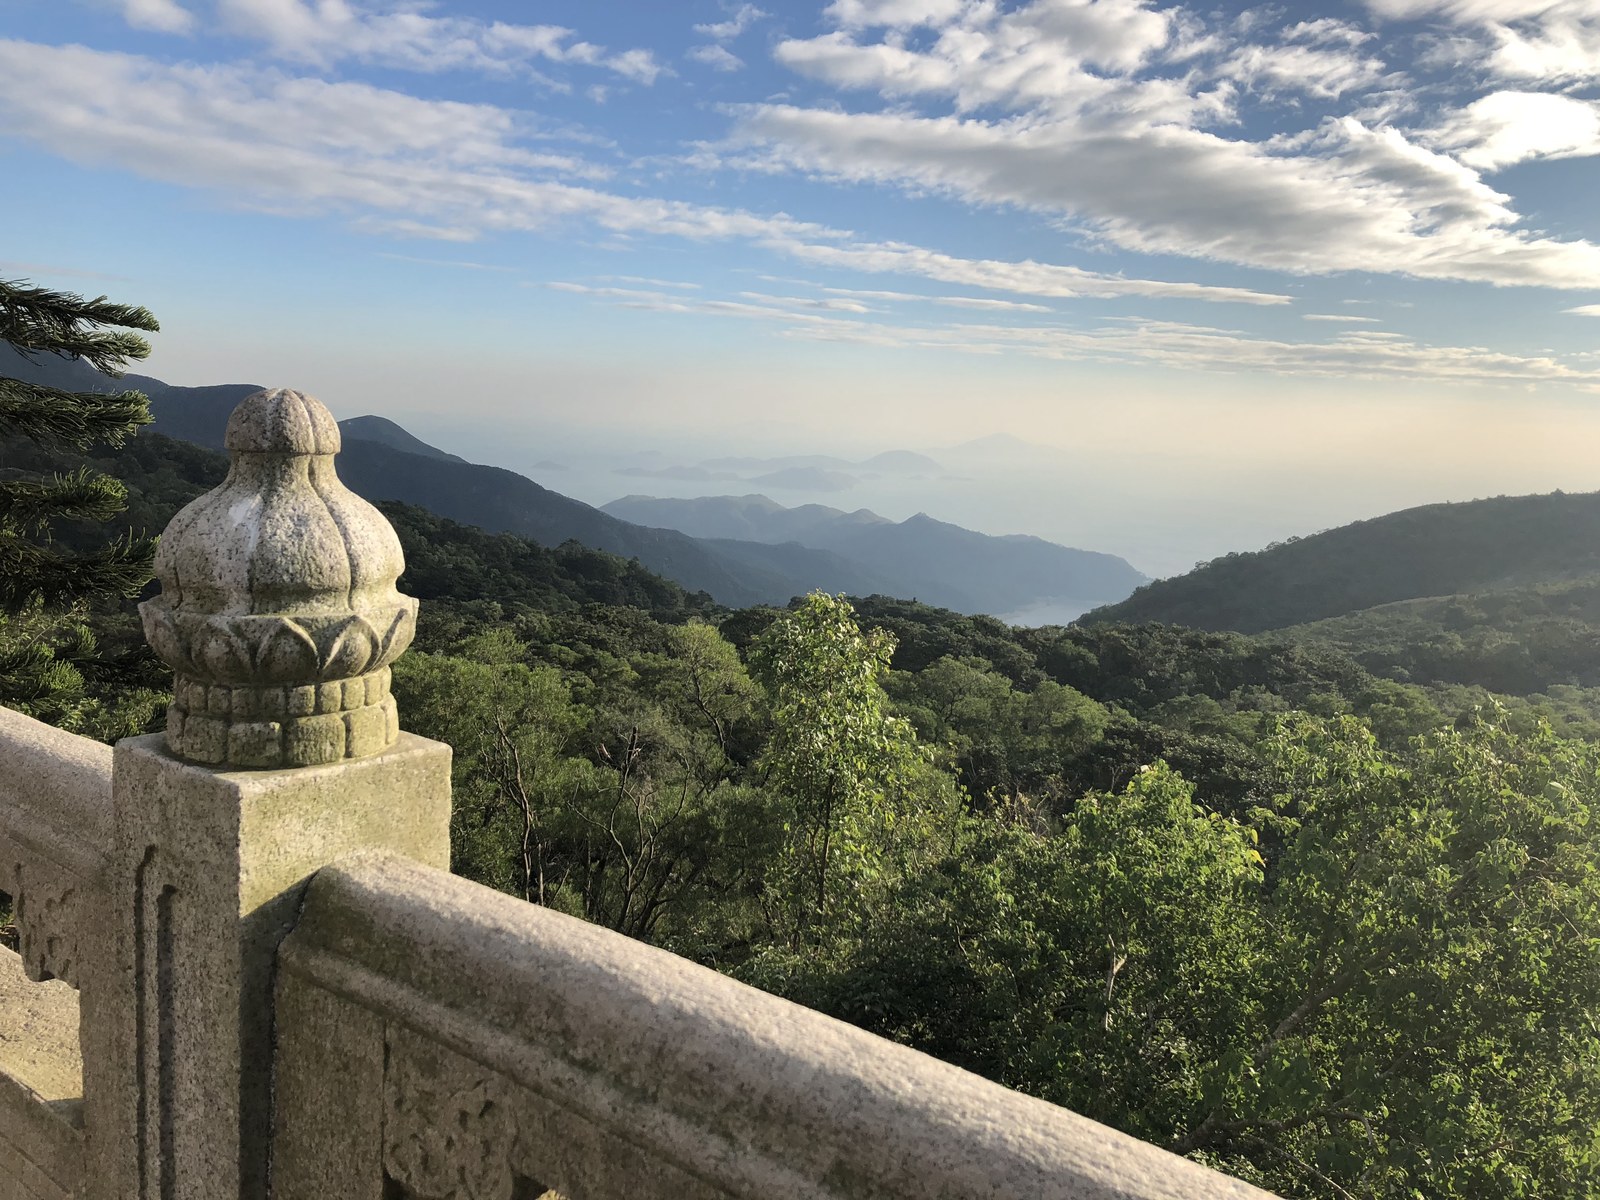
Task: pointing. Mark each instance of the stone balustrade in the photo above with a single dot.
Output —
(244, 970)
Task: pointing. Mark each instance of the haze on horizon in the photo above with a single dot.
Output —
(1246, 271)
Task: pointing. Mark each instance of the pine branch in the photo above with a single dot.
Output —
(32, 572)
(77, 419)
(29, 505)
(35, 319)
(33, 675)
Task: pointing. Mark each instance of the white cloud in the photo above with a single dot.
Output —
(398, 164)
(985, 304)
(1343, 198)
(163, 16)
(1481, 11)
(719, 58)
(865, 293)
(460, 264)
(1544, 40)
(1114, 34)
(1327, 31)
(1070, 108)
(1055, 54)
(326, 31)
(1584, 310)
(1562, 48)
(743, 17)
(388, 160)
(1325, 72)
(1358, 354)
(899, 14)
(812, 303)
(660, 283)
(1345, 318)
(1504, 128)
(1025, 278)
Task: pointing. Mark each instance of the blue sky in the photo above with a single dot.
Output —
(1252, 269)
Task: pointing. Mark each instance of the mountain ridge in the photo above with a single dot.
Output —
(925, 559)
(490, 498)
(1432, 550)
(935, 561)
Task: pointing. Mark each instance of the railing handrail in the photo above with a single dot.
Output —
(739, 1087)
(57, 787)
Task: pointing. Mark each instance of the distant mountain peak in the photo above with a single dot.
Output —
(374, 428)
(808, 479)
(922, 556)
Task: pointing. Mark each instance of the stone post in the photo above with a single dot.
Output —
(278, 612)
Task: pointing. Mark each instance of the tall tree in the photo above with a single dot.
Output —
(42, 585)
(843, 763)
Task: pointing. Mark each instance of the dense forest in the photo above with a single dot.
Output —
(1321, 908)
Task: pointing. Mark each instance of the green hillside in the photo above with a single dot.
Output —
(1436, 550)
(1520, 640)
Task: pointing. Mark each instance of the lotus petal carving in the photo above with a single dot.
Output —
(351, 650)
(161, 631)
(287, 654)
(222, 653)
(399, 634)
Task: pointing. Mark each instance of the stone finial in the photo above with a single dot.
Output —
(278, 610)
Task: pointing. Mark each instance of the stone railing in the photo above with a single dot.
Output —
(55, 840)
(244, 971)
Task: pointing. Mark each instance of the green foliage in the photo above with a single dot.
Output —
(35, 319)
(1520, 640)
(37, 578)
(1098, 967)
(842, 764)
(625, 806)
(1427, 1006)
(88, 419)
(1008, 745)
(924, 634)
(53, 667)
(1396, 999)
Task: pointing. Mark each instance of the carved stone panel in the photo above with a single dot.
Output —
(48, 911)
(449, 1127)
(455, 1129)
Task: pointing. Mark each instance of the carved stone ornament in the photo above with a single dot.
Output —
(48, 914)
(278, 609)
(449, 1130)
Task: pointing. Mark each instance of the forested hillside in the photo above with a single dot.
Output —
(1436, 550)
(1519, 640)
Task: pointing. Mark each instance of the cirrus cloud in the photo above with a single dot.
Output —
(397, 35)
(398, 164)
(1343, 198)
